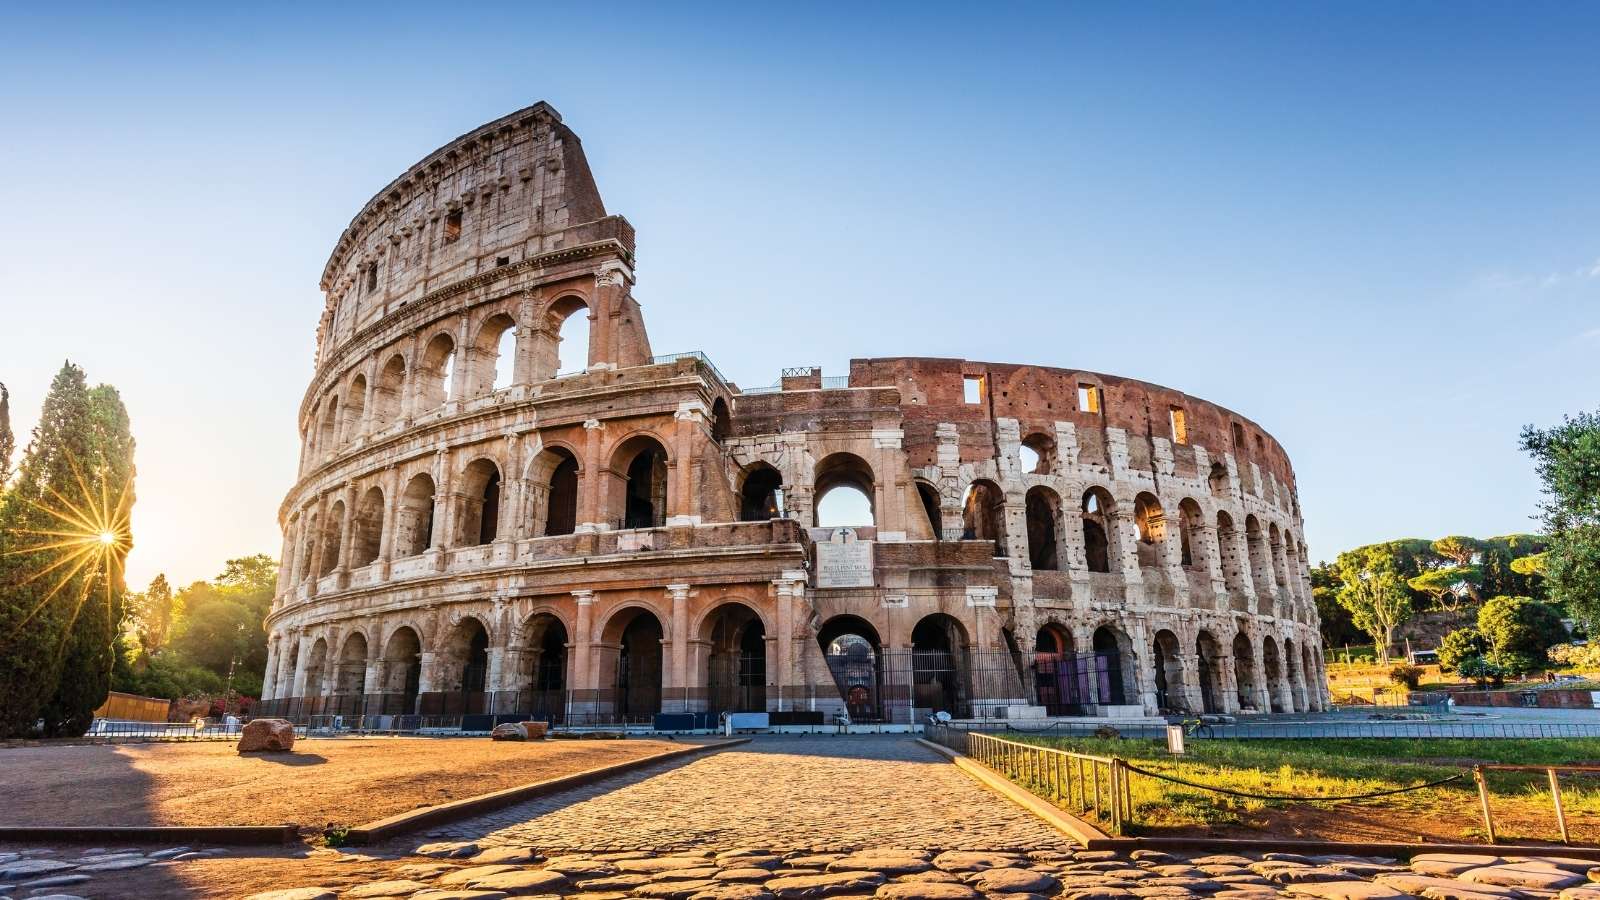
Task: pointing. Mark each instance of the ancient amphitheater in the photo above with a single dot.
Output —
(476, 530)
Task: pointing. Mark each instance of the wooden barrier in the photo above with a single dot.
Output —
(133, 708)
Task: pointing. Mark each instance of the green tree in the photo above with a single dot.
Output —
(1375, 594)
(1504, 569)
(89, 647)
(1519, 631)
(1334, 620)
(1450, 586)
(1567, 459)
(151, 614)
(38, 599)
(1458, 548)
(8, 441)
(1459, 645)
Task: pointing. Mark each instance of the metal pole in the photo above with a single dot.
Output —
(1561, 814)
(1483, 800)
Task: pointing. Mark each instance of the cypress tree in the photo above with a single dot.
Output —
(89, 648)
(8, 442)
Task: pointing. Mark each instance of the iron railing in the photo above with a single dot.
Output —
(1084, 783)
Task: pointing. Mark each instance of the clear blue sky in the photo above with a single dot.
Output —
(1372, 227)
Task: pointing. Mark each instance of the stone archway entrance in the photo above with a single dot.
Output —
(736, 666)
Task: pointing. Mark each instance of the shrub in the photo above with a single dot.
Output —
(1519, 630)
(1410, 676)
(1459, 645)
(1481, 671)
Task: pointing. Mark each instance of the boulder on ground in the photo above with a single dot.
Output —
(509, 731)
(536, 730)
(267, 735)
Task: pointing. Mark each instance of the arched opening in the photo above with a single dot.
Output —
(309, 537)
(480, 503)
(1313, 680)
(332, 531)
(1151, 522)
(1260, 564)
(854, 656)
(1218, 480)
(721, 423)
(930, 507)
(736, 661)
(568, 354)
(1208, 659)
(1037, 454)
(1044, 515)
(1171, 693)
(464, 669)
(1293, 678)
(386, 395)
(1190, 523)
(939, 666)
(367, 535)
(1244, 672)
(1277, 556)
(843, 487)
(496, 352)
(553, 484)
(983, 515)
(761, 495)
(316, 669)
(413, 532)
(355, 406)
(1108, 670)
(402, 660)
(351, 677)
(328, 440)
(638, 636)
(1059, 677)
(1097, 507)
(290, 666)
(641, 497)
(1228, 553)
(544, 668)
(1273, 667)
(435, 373)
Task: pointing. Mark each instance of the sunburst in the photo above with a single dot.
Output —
(90, 537)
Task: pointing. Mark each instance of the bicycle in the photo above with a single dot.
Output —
(1197, 728)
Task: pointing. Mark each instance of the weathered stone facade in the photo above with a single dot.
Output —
(470, 532)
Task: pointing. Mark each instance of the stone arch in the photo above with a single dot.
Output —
(494, 354)
(1191, 525)
(388, 392)
(1217, 480)
(1055, 671)
(1166, 654)
(721, 420)
(1312, 674)
(328, 434)
(435, 371)
(940, 674)
(355, 407)
(760, 493)
(638, 482)
(1036, 454)
(413, 528)
(1044, 528)
(736, 658)
(316, 668)
(1278, 558)
(332, 533)
(310, 535)
(983, 514)
(480, 503)
(543, 643)
(1097, 511)
(632, 651)
(929, 495)
(854, 655)
(402, 662)
(1151, 522)
(1114, 669)
(1260, 563)
(566, 347)
(1293, 677)
(1208, 665)
(351, 674)
(1244, 670)
(463, 657)
(1272, 668)
(847, 472)
(366, 537)
(553, 486)
(1233, 567)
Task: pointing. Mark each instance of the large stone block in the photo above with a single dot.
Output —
(267, 736)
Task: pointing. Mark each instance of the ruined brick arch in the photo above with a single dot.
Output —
(758, 487)
(637, 482)
(367, 535)
(983, 513)
(350, 667)
(480, 489)
(1101, 542)
(1217, 480)
(549, 360)
(554, 479)
(332, 533)
(435, 369)
(1192, 548)
(493, 362)
(702, 624)
(843, 469)
(416, 515)
(928, 500)
(523, 629)
(1043, 448)
(1046, 539)
(1151, 522)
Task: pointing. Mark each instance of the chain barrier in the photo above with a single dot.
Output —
(1324, 799)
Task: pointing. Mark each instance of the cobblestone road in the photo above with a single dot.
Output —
(781, 793)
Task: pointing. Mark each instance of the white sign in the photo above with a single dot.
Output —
(844, 562)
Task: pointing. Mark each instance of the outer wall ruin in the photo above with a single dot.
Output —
(472, 532)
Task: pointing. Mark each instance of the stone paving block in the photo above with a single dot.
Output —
(19, 869)
(460, 877)
(1538, 876)
(732, 891)
(615, 883)
(448, 849)
(1016, 881)
(1347, 890)
(750, 874)
(1580, 893)
(397, 888)
(506, 855)
(889, 863)
(459, 895)
(299, 893)
(673, 890)
(1448, 864)
(1435, 887)
(926, 890)
(805, 887)
(522, 882)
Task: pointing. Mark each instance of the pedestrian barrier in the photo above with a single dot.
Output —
(1555, 792)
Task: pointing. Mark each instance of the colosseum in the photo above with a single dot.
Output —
(510, 506)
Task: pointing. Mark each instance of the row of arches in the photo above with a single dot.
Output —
(403, 385)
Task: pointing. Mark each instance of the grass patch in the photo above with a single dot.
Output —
(1333, 768)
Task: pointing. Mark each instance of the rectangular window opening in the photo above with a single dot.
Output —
(1088, 398)
(1238, 436)
(1180, 426)
(972, 389)
(452, 227)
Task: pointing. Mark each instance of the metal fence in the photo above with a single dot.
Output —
(1304, 729)
(1083, 783)
(206, 730)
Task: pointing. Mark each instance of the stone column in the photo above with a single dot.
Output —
(591, 499)
(428, 677)
(680, 646)
(301, 659)
(464, 364)
(1211, 547)
(347, 529)
(583, 641)
(682, 500)
(1126, 547)
(1264, 691)
(1193, 699)
(1228, 693)
(268, 687)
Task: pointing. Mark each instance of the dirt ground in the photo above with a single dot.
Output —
(1516, 820)
(326, 781)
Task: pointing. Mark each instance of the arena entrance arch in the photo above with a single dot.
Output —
(854, 655)
(1244, 671)
(939, 670)
(636, 635)
(1110, 668)
(736, 664)
(1208, 656)
(1058, 677)
(543, 669)
(462, 672)
(402, 662)
(1171, 691)
(1273, 667)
